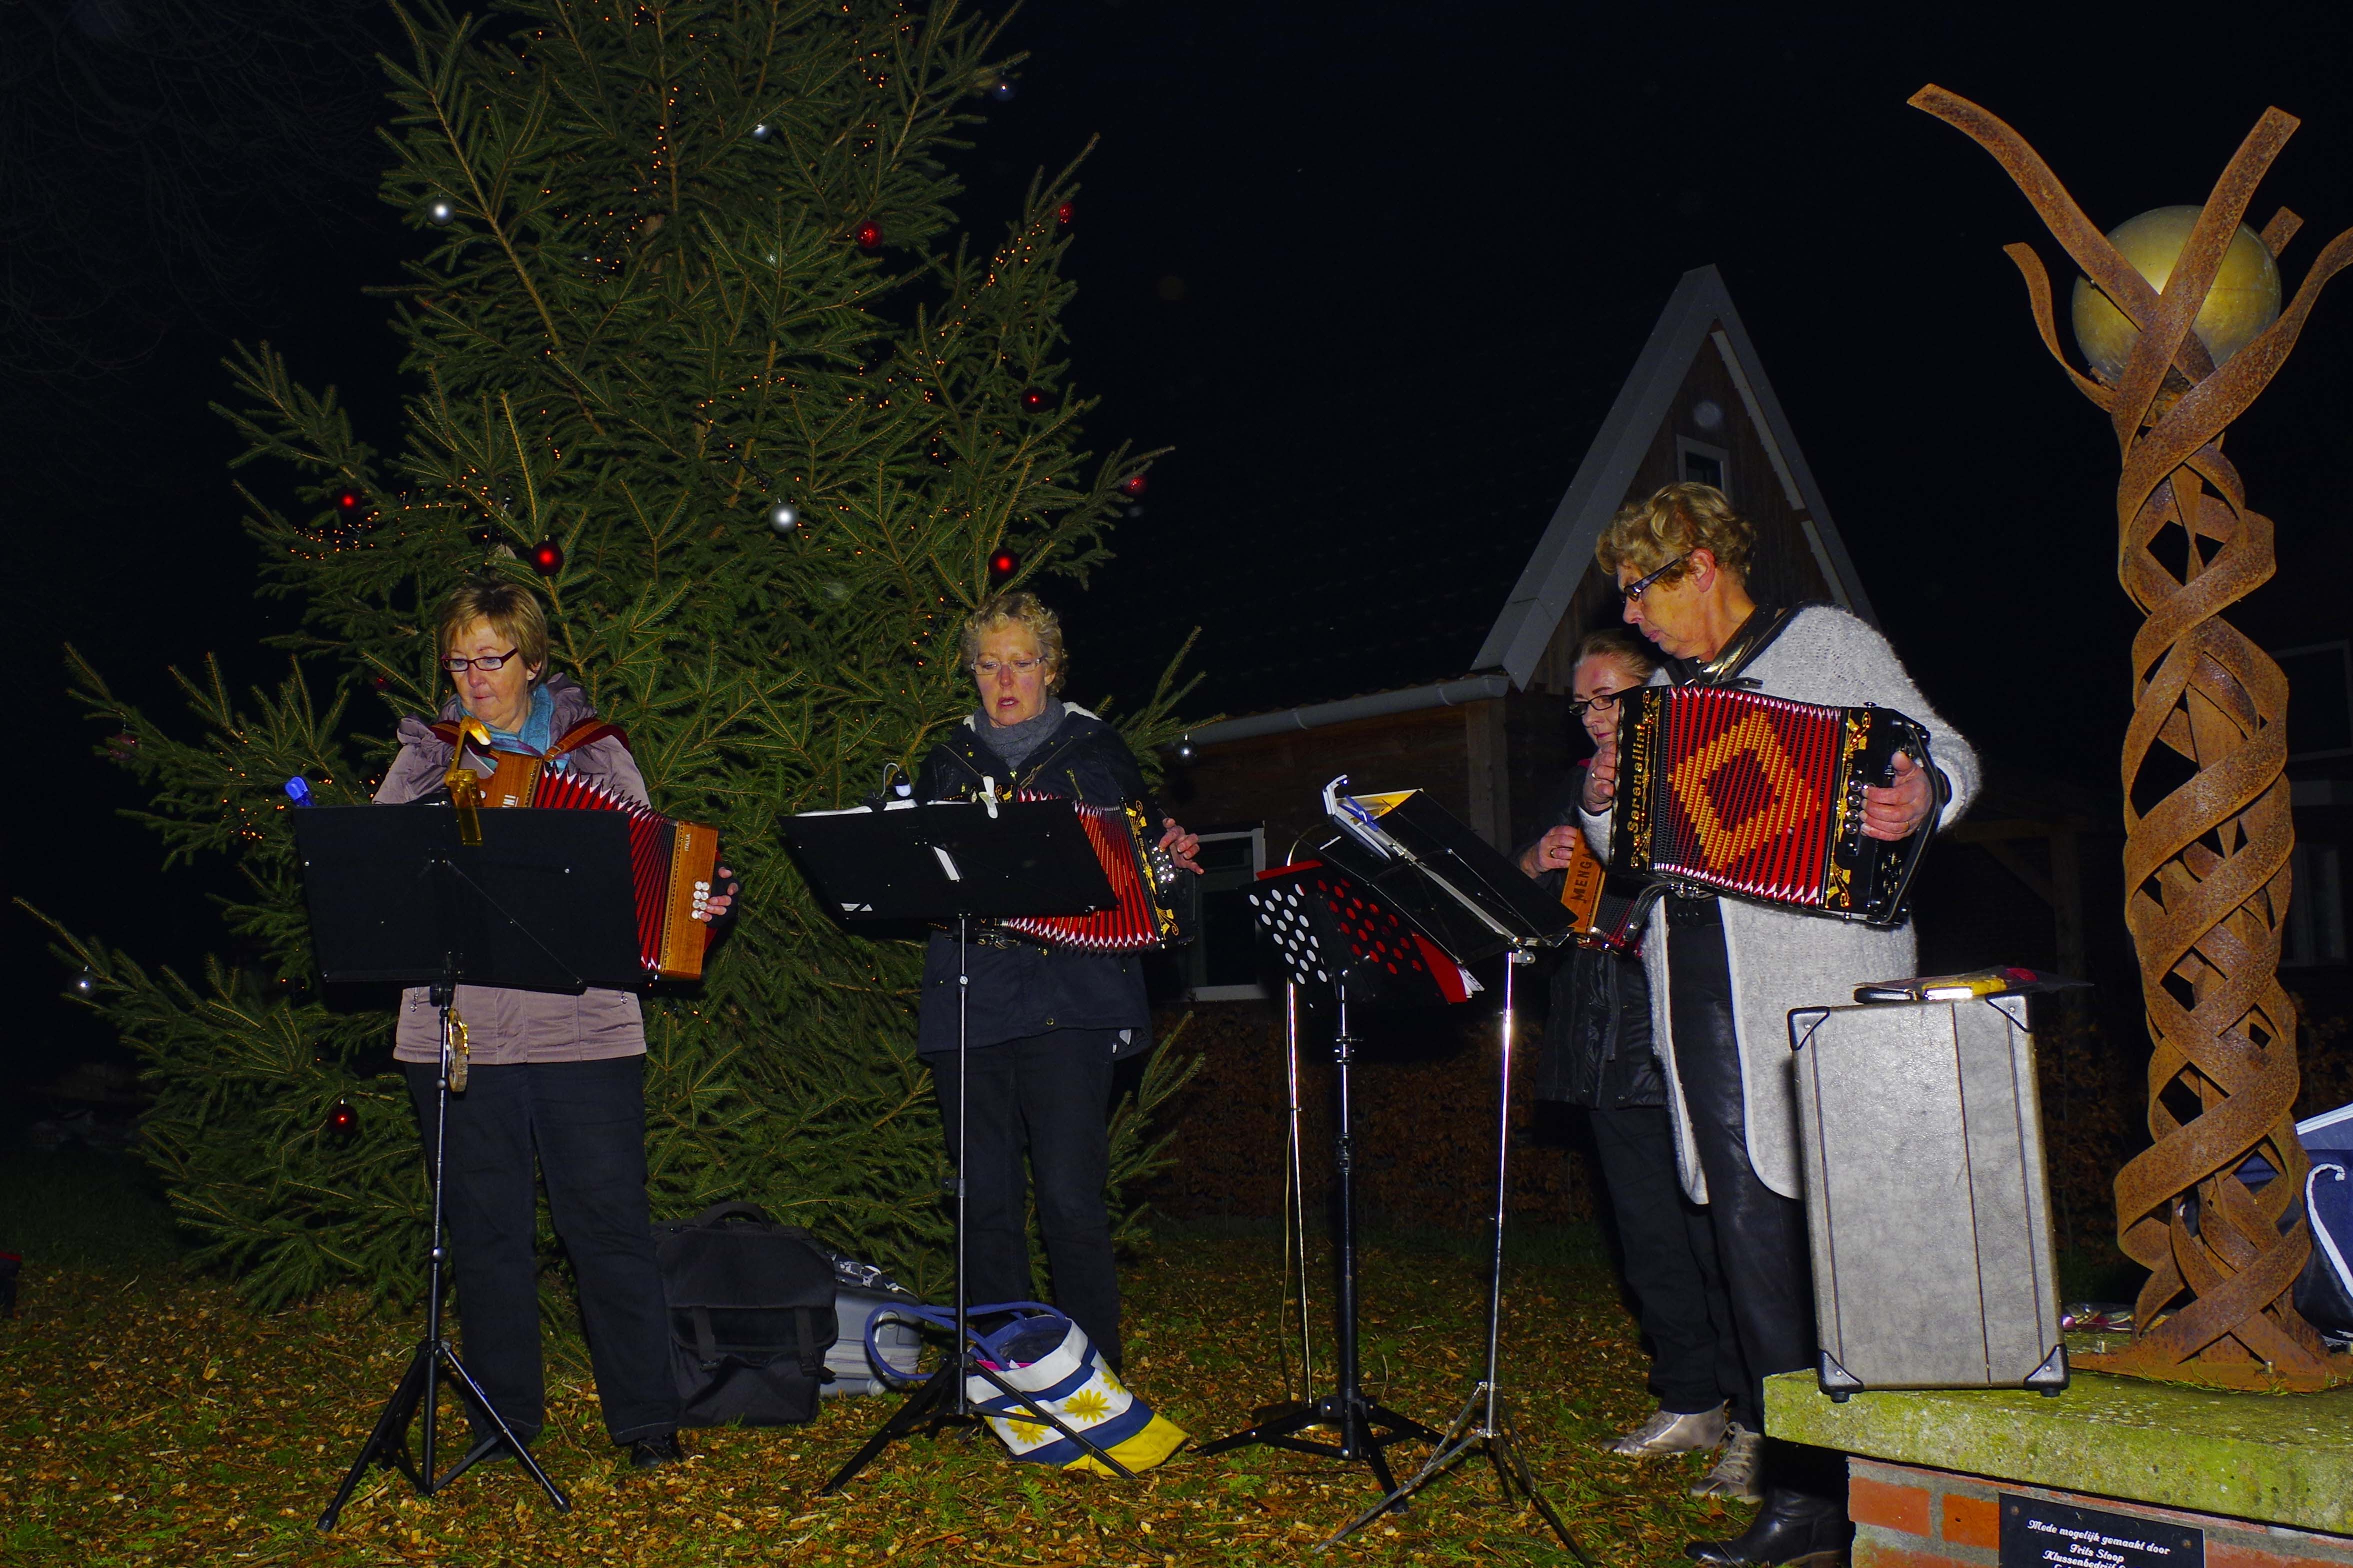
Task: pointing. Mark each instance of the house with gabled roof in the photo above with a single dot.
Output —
(1487, 728)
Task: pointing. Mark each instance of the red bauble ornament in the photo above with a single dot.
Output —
(1035, 399)
(382, 684)
(869, 234)
(1066, 215)
(342, 1118)
(1002, 564)
(350, 502)
(1131, 486)
(547, 557)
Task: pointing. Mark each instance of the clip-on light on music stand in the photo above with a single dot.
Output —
(1471, 902)
(422, 896)
(899, 861)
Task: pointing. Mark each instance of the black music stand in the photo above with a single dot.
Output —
(1334, 941)
(1471, 902)
(398, 896)
(951, 860)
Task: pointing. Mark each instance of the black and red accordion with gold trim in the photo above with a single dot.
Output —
(1151, 909)
(1724, 790)
(672, 863)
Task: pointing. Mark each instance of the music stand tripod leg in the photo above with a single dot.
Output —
(433, 1359)
(1484, 1422)
(1364, 1429)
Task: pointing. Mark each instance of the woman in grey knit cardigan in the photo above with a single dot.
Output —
(1725, 973)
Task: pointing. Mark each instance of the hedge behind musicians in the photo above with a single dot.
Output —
(551, 1075)
(1046, 1024)
(1598, 1055)
(1728, 972)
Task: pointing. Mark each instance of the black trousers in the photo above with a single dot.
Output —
(1669, 1246)
(1760, 1236)
(1048, 1095)
(585, 1122)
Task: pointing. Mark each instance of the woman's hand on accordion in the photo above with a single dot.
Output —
(1554, 852)
(1600, 781)
(1182, 847)
(1897, 810)
(716, 906)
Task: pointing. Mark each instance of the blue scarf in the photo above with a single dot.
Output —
(538, 732)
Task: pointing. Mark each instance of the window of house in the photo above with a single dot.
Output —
(2320, 699)
(1697, 463)
(1221, 964)
(2316, 909)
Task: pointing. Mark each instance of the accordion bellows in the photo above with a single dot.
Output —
(1736, 792)
(671, 862)
(1143, 913)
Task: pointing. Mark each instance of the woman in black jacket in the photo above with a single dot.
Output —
(1044, 1025)
(1598, 1054)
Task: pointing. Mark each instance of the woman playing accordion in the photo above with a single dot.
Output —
(551, 1077)
(1044, 1024)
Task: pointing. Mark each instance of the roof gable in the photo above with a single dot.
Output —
(1699, 321)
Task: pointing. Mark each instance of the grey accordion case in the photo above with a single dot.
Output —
(1926, 1199)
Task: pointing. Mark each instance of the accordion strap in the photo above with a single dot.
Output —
(1753, 636)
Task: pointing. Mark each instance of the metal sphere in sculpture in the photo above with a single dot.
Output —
(2244, 299)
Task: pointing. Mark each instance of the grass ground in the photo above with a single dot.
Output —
(148, 1416)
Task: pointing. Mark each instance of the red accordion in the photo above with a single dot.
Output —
(672, 863)
(1149, 909)
(1735, 792)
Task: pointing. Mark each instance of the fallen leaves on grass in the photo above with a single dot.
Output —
(160, 1422)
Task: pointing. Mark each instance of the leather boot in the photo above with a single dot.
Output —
(1793, 1528)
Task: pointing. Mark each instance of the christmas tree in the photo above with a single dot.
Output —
(694, 345)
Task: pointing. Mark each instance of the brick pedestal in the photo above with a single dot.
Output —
(1909, 1516)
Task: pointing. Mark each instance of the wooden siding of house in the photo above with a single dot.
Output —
(1278, 779)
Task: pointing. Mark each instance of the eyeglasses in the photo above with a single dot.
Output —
(1642, 585)
(987, 669)
(1599, 699)
(456, 663)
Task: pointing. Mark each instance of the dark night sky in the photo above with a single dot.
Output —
(1418, 247)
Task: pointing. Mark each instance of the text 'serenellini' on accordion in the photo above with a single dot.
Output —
(1730, 790)
(672, 863)
(1154, 899)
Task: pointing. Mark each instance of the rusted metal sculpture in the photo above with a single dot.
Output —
(2206, 864)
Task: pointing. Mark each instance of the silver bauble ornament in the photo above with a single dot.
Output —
(440, 214)
(784, 517)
